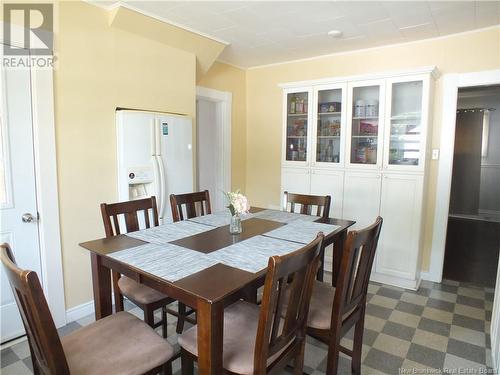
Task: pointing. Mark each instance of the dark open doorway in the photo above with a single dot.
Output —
(473, 236)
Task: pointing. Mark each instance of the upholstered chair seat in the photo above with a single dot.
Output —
(320, 309)
(241, 320)
(139, 292)
(134, 347)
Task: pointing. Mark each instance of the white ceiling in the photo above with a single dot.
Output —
(264, 32)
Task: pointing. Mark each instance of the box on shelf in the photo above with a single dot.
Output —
(329, 107)
(368, 127)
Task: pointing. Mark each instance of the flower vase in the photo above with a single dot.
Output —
(235, 224)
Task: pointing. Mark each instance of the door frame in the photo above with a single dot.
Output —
(223, 101)
(44, 140)
(451, 84)
(44, 146)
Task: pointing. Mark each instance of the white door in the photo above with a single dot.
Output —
(327, 182)
(361, 198)
(18, 224)
(401, 208)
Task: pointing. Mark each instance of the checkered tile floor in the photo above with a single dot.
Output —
(441, 326)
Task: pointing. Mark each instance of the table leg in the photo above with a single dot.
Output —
(101, 282)
(338, 247)
(210, 332)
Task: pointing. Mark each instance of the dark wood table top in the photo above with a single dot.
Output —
(218, 238)
(216, 282)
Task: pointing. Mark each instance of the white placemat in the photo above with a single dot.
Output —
(253, 254)
(283, 216)
(165, 233)
(218, 219)
(170, 262)
(301, 231)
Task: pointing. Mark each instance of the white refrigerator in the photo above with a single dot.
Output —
(155, 157)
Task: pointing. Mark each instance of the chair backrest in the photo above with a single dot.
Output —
(130, 211)
(289, 275)
(196, 204)
(355, 268)
(46, 349)
(307, 202)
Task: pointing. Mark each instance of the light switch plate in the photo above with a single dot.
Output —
(435, 153)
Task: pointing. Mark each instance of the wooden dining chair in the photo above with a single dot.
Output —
(256, 339)
(147, 299)
(334, 311)
(307, 203)
(195, 204)
(117, 344)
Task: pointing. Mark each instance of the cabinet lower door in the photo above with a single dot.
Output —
(324, 182)
(361, 198)
(401, 209)
(295, 180)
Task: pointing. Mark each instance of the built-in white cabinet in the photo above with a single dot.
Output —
(296, 180)
(361, 198)
(401, 207)
(363, 140)
(329, 182)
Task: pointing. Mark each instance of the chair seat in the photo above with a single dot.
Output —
(138, 292)
(320, 309)
(241, 320)
(118, 344)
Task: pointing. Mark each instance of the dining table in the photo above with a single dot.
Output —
(201, 264)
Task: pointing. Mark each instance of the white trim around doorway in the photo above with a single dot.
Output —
(44, 141)
(451, 84)
(223, 100)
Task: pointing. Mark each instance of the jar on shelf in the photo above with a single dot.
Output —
(371, 108)
(359, 108)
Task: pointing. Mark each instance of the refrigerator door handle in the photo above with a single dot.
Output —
(157, 136)
(157, 185)
(152, 125)
(161, 168)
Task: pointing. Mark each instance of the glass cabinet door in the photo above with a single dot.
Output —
(406, 123)
(365, 125)
(296, 127)
(329, 126)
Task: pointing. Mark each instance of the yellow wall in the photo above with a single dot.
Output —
(224, 77)
(461, 53)
(100, 68)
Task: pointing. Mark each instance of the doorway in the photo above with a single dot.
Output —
(213, 139)
(473, 230)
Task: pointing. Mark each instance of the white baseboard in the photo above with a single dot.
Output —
(429, 277)
(80, 311)
(395, 281)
